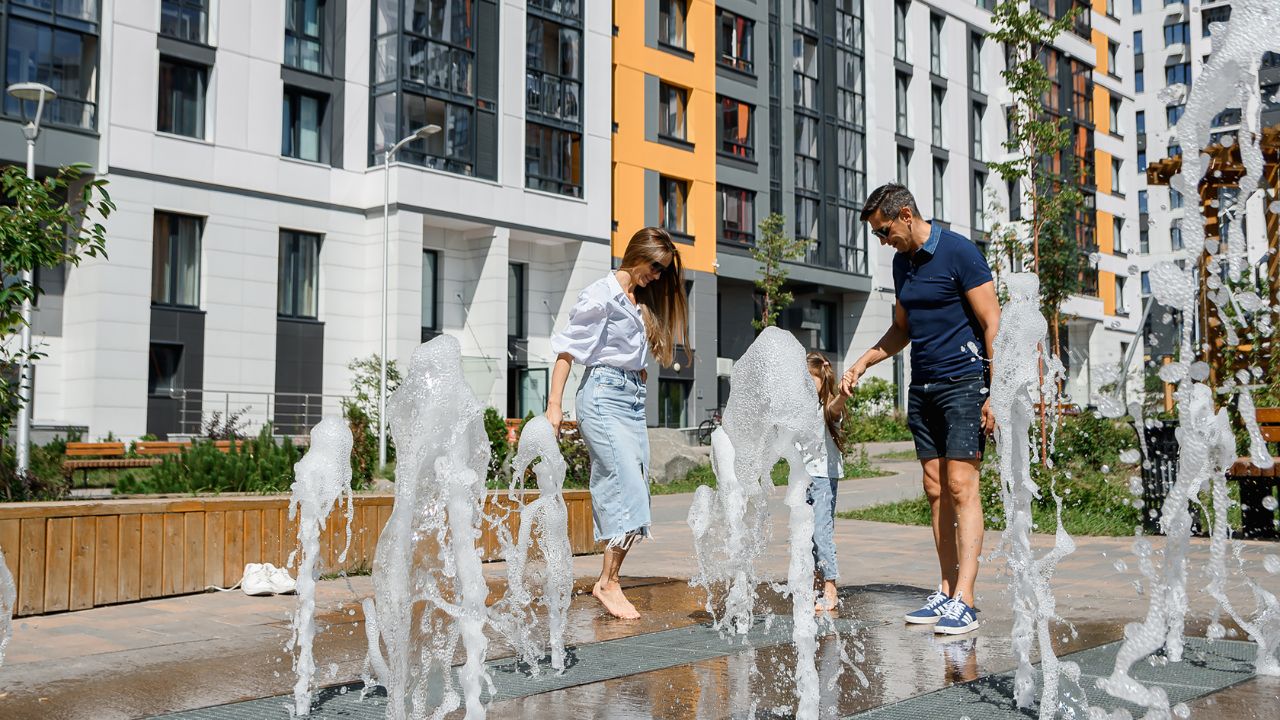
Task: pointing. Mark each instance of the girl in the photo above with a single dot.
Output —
(826, 467)
(617, 322)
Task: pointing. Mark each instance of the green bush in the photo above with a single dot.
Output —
(1088, 440)
(43, 479)
(871, 414)
(255, 465)
(364, 446)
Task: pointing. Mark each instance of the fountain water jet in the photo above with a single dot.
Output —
(1021, 379)
(1229, 79)
(429, 590)
(772, 414)
(323, 478)
(551, 518)
(8, 601)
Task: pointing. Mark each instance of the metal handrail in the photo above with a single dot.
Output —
(282, 409)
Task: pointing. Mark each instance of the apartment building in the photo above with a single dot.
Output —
(1170, 41)
(244, 147)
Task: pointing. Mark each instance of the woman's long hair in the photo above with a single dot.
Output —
(663, 303)
(828, 389)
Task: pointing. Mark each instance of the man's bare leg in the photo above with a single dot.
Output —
(608, 590)
(961, 480)
(940, 507)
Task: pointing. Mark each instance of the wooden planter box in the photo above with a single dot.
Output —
(77, 555)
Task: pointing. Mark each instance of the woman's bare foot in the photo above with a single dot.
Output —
(827, 602)
(610, 595)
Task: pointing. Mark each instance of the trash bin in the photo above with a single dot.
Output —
(1159, 473)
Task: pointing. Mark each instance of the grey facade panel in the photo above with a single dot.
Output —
(651, 108)
(742, 267)
(650, 198)
(703, 312)
(54, 148)
(185, 328)
(182, 50)
(299, 374)
(46, 316)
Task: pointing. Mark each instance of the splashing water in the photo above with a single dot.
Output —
(772, 414)
(1020, 380)
(8, 601)
(323, 479)
(514, 616)
(1229, 79)
(429, 590)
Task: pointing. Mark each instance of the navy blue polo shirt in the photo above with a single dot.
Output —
(930, 285)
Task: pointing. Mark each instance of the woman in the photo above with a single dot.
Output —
(617, 322)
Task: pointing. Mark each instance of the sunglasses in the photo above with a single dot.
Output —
(657, 267)
(882, 231)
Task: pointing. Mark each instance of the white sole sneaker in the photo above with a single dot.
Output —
(956, 630)
(921, 620)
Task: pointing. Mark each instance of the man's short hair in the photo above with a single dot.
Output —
(889, 199)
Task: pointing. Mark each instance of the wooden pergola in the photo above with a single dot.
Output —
(1224, 172)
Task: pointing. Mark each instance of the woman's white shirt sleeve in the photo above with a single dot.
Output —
(584, 334)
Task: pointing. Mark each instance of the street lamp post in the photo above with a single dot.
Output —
(39, 94)
(421, 133)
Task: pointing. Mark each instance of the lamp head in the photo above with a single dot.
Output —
(37, 93)
(426, 131)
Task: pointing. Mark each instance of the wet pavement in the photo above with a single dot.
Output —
(213, 650)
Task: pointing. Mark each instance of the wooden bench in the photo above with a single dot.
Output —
(100, 456)
(1257, 483)
(158, 447)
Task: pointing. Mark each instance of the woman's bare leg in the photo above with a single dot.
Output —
(608, 590)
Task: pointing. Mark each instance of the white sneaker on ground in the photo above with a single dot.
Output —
(282, 583)
(257, 580)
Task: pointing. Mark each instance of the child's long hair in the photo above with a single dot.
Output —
(663, 303)
(828, 388)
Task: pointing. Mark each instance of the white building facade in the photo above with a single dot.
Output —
(242, 142)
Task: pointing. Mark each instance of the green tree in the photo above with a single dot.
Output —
(43, 224)
(771, 250)
(1042, 170)
(366, 379)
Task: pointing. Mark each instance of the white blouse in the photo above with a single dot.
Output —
(605, 328)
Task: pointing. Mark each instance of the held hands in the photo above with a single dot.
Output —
(850, 379)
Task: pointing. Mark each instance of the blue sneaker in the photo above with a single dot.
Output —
(930, 612)
(957, 617)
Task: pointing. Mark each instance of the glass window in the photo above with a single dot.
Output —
(553, 159)
(1144, 241)
(737, 212)
(298, 291)
(1142, 161)
(304, 35)
(1122, 307)
(1014, 191)
(672, 104)
(175, 259)
(826, 335)
(673, 401)
(805, 13)
(900, 29)
(163, 362)
(673, 196)
(900, 102)
(736, 137)
(804, 64)
(1174, 150)
(451, 149)
(1137, 6)
(64, 60)
(975, 61)
(904, 164)
(807, 130)
(1177, 33)
(672, 16)
(1115, 115)
(185, 20)
(736, 41)
(430, 287)
(303, 131)
(1175, 74)
(1117, 186)
(1175, 201)
(1146, 284)
(939, 185)
(935, 44)
(806, 218)
(1113, 53)
(1173, 113)
(1209, 16)
(979, 110)
(1137, 42)
(1139, 80)
(1142, 201)
(938, 98)
(516, 300)
(1175, 236)
(977, 201)
(554, 71)
(182, 96)
(1117, 236)
(1140, 122)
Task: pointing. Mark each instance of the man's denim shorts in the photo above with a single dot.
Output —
(945, 418)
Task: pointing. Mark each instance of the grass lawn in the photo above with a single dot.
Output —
(897, 455)
(1093, 503)
(857, 467)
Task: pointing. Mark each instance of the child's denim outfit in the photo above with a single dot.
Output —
(825, 470)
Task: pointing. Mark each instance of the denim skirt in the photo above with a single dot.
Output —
(611, 417)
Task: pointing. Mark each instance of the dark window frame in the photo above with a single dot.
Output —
(201, 117)
(730, 145)
(291, 136)
(741, 30)
(666, 184)
(186, 10)
(747, 200)
(666, 93)
(294, 306)
(433, 323)
(296, 37)
(172, 293)
(668, 25)
(71, 102)
(559, 141)
(520, 273)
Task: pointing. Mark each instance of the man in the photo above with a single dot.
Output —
(947, 309)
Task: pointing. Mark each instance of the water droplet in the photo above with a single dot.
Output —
(1269, 502)
(1120, 566)
(1181, 710)
(1272, 564)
